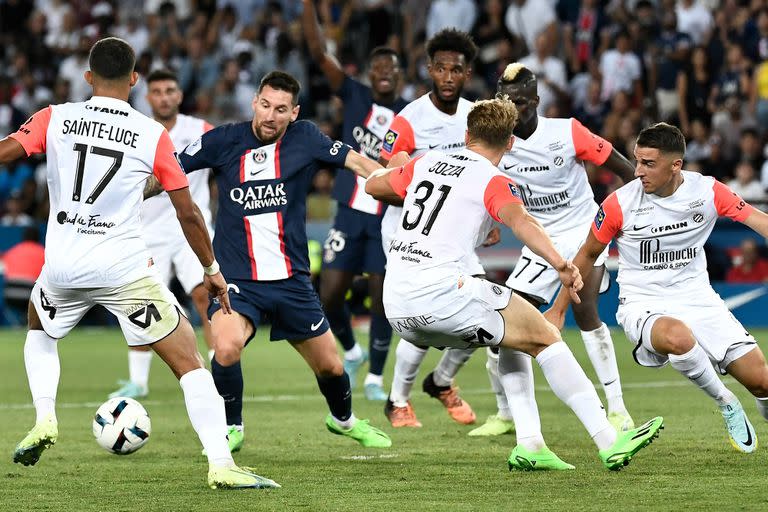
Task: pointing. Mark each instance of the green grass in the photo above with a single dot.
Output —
(691, 466)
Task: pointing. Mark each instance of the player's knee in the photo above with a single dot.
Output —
(329, 367)
(227, 352)
(677, 338)
(759, 387)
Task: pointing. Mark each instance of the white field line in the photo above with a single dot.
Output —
(295, 398)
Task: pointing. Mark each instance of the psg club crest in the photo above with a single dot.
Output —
(382, 120)
(260, 156)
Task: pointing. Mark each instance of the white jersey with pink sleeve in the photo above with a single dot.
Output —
(661, 239)
(448, 200)
(549, 168)
(157, 213)
(99, 155)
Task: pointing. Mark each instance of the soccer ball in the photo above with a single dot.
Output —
(121, 425)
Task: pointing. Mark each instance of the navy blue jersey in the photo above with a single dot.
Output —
(365, 124)
(261, 225)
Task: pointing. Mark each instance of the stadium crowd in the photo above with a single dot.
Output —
(615, 65)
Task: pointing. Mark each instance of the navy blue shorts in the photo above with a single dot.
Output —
(290, 305)
(354, 243)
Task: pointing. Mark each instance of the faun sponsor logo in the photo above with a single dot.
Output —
(534, 168)
(106, 110)
(669, 227)
(259, 196)
(653, 258)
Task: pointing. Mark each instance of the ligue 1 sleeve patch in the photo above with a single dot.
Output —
(514, 190)
(389, 140)
(599, 218)
(193, 148)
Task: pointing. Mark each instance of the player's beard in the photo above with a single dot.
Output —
(268, 139)
(447, 102)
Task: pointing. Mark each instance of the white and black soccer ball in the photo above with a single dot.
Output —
(121, 425)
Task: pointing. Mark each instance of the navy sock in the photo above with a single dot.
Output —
(338, 394)
(381, 337)
(229, 383)
(341, 327)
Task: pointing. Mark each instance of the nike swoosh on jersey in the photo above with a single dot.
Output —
(433, 147)
(316, 326)
(508, 167)
(636, 228)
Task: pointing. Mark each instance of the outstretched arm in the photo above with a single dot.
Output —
(312, 35)
(619, 165)
(380, 185)
(360, 165)
(758, 221)
(10, 150)
(528, 230)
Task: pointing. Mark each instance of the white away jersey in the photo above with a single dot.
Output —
(661, 239)
(418, 128)
(157, 213)
(449, 201)
(100, 154)
(548, 167)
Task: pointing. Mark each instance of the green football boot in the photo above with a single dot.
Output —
(43, 435)
(630, 442)
(362, 432)
(237, 478)
(495, 425)
(544, 459)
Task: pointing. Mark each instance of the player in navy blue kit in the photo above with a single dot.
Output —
(354, 243)
(264, 170)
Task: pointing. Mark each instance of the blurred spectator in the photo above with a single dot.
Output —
(284, 57)
(620, 69)
(592, 113)
(621, 108)
(74, 67)
(232, 97)
(14, 213)
(669, 55)
(527, 19)
(694, 19)
(749, 267)
(460, 14)
(581, 33)
(717, 165)
(135, 32)
(494, 40)
(693, 86)
(759, 95)
(197, 70)
(10, 116)
(13, 177)
(733, 81)
(550, 73)
(750, 149)
(747, 185)
(699, 147)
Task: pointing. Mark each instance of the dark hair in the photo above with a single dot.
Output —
(282, 82)
(162, 74)
(452, 40)
(112, 58)
(517, 74)
(383, 51)
(664, 137)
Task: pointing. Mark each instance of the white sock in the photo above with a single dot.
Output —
(354, 353)
(41, 358)
(492, 365)
(449, 365)
(516, 376)
(762, 406)
(408, 358)
(695, 365)
(374, 379)
(206, 412)
(602, 354)
(139, 362)
(346, 425)
(211, 352)
(571, 385)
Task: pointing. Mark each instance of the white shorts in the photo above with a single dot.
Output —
(177, 258)
(146, 308)
(715, 328)
(535, 277)
(472, 320)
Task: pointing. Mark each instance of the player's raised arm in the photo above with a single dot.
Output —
(595, 149)
(173, 180)
(314, 38)
(389, 185)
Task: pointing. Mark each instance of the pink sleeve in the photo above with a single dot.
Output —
(589, 147)
(729, 204)
(207, 126)
(401, 177)
(32, 134)
(399, 137)
(608, 220)
(166, 167)
(499, 192)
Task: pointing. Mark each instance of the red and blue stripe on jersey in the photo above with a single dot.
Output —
(261, 223)
(365, 124)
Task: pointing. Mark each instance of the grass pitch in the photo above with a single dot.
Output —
(691, 466)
